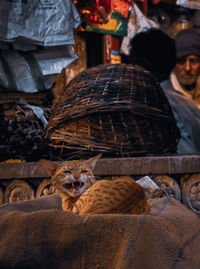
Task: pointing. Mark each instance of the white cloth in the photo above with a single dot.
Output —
(137, 22)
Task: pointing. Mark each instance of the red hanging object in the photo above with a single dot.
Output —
(122, 6)
(97, 12)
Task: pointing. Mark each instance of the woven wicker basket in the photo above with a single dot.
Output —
(119, 110)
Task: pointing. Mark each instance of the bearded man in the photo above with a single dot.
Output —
(185, 76)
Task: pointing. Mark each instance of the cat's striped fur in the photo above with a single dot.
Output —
(117, 196)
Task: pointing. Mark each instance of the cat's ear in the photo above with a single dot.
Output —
(92, 161)
(49, 166)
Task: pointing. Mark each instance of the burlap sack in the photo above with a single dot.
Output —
(37, 234)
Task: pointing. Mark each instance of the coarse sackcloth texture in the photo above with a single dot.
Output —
(37, 234)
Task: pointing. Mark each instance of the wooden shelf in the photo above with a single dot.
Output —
(175, 164)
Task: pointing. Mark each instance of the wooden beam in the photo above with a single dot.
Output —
(175, 164)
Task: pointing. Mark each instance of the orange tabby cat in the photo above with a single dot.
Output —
(83, 195)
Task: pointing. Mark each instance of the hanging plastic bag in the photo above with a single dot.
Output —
(137, 22)
(40, 22)
(195, 4)
(33, 71)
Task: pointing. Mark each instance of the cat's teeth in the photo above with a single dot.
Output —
(72, 184)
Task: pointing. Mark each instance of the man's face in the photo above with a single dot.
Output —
(187, 71)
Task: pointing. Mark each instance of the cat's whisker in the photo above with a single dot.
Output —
(98, 177)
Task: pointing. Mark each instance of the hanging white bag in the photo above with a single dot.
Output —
(40, 22)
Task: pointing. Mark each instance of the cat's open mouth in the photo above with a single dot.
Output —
(74, 185)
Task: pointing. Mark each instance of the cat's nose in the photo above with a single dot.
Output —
(77, 177)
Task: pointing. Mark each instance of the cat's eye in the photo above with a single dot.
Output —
(67, 172)
(84, 171)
